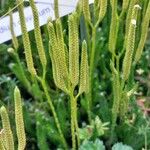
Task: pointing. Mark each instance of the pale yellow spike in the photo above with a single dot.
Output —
(113, 27)
(8, 135)
(26, 41)
(129, 13)
(61, 50)
(20, 129)
(14, 38)
(125, 5)
(73, 50)
(84, 71)
(53, 48)
(130, 44)
(55, 57)
(38, 36)
(103, 9)
(86, 10)
(2, 144)
(144, 33)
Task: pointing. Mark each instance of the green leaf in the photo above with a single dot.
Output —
(120, 146)
(3, 48)
(86, 133)
(41, 132)
(89, 145)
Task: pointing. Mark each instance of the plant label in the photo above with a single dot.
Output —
(45, 9)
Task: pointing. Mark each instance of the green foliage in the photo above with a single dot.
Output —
(5, 5)
(89, 145)
(120, 146)
(84, 75)
(96, 129)
(19, 120)
(98, 145)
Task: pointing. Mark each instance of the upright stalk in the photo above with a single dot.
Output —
(54, 113)
(100, 8)
(56, 9)
(145, 135)
(92, 53)
(116, 102)
(88, 34)
(21, 73)
(92, 57)
(74, 121)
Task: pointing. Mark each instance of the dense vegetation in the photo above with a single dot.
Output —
(84, 79)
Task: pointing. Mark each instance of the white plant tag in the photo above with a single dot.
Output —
(45, 11)
(61, 2)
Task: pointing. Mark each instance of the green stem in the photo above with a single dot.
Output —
(146, 141)
(88, 105)
(72, 122)
(92, 57)
(92, 52)
(117, 63)
(56, 9)
(23, 78)
(88, 34)
(116, 102)
(54, 113)
(20, 73)
(76, 121)
(35, 90)
(131, 81)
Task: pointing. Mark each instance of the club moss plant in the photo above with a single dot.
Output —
(67, 77)
(73, 61)
(100, 8)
